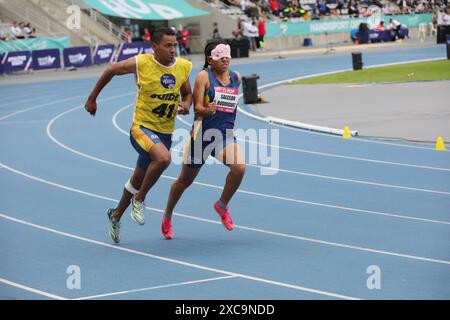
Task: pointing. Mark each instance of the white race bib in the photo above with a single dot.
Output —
(225, 99)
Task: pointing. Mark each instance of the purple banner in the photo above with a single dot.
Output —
(128, 50)
(1, 64)
(16, 61)
(147, 47)
(104, 54)
(46, 59)
(77, 57)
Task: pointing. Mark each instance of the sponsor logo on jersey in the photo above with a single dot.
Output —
(168, 81)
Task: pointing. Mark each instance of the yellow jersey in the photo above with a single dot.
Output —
(158, 93)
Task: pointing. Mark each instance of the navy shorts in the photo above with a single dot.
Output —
(143, 139)
(201, 149)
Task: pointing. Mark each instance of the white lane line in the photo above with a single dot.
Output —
(322, 242)
(384, 185)
(14, 102)
(179, 284)
(40, 106)
(27, 122)
(114, 119)
(37, 92)
(62, 100)
(176, 261)
(50, 135)
(33, 290)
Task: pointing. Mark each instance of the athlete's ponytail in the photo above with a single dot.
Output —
(209, 48)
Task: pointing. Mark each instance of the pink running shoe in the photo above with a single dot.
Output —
(225, 216)
(166, 228)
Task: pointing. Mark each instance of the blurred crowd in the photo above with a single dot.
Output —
(327, 9)
(17, 30)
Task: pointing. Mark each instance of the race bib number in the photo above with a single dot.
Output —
(225, 99)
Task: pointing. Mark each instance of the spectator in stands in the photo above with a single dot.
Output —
(275, 7)
(129, 35)
(341, 6)
(261, 33)
(446, 17)
(216, 33)
(323, 9)
(420, 8)
(29, 31)
(353, 9)
(238, 32)
(3, 33)
(395, 25)
(3, 36)
(380, 26)
(147, 36)
(254, 10)
(184, 36)
(292, 11)
(232, 2)
(363, 33)
(315, 15)
(250, 32)
(245, 4)
(21, 27)
(402, 5)
(16, 31)
(265, 7)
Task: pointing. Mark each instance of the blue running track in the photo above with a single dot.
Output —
(336, 209)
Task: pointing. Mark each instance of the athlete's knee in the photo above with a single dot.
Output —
(238, 169)
(163, 161)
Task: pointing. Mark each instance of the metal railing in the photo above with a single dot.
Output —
(231, 11)
(107, 24)
(57, 9)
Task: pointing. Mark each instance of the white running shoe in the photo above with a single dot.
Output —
(137, 211)
(114, 226)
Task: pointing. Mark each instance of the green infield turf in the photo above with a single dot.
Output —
(422, 71)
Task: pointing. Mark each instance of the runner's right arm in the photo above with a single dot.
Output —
(118, 69)
(200, 87)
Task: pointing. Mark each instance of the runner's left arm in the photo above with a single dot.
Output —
(186, 98)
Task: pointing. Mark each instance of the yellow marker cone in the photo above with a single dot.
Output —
(440, 145)
(346, 133)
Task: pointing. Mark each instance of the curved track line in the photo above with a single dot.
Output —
(176, 261)
(340, 156)
(322, 242)
(116, 125)
(56, 141)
